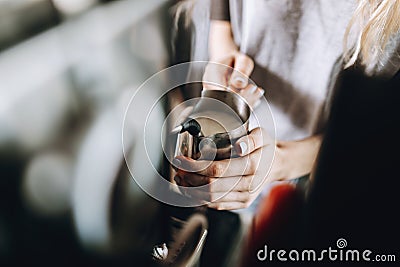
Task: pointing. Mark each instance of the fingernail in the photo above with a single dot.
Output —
(243, 147)
(262, 92)
(177, 179)
(239, 81)
(177, 163)
(257, 103)
(253, 89)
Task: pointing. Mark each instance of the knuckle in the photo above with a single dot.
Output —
(249, 61)
(244, 57)
(257, 131)
(246, 182)
(246, 196)
(215, 169)
(218, 206)
(206, 180)
(244, 61)
(251, 165)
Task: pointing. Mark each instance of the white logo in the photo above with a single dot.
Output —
(341, 243)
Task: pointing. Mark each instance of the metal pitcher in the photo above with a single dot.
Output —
(218, 119)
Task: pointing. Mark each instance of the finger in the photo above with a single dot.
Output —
(252, 93)
(246, 165)
(215, 74)
(249, 183)
(228, 205)
(181, 182)
(185, 164)
(194, 179)
(252, 90)
(243, 66)
(253, 141)
(215, 197)
(237, 183)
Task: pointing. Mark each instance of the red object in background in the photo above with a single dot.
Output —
(274, 221)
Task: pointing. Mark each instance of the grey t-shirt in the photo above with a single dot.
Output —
(297, 46)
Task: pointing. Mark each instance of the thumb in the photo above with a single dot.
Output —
(255, 140)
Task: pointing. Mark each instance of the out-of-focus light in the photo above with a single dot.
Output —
(47, 184)
(71, 7)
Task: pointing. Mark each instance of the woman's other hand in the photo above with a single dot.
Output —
(223, 50)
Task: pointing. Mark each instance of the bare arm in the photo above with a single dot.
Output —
(297, 157)
(221, 44)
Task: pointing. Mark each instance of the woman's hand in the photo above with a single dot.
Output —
(230, 183)
(235, 183)
(223, 50)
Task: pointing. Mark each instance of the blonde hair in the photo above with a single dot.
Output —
(374, 22)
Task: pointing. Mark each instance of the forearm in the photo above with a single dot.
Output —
(299, 156)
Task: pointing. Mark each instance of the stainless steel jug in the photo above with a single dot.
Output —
(218, 119)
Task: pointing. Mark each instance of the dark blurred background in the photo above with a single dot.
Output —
(67, 70)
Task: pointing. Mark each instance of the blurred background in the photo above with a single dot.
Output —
(67, 70)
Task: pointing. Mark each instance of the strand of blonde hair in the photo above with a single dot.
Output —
(376, 21)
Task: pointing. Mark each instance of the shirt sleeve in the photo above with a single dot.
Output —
(220, 10)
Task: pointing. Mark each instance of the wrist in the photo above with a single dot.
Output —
(283, 159)
(297, 157)
(223, 51)
(221, 43)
